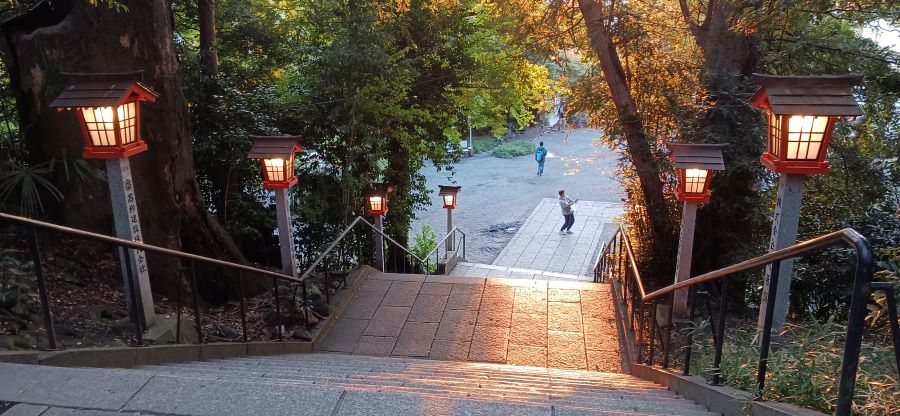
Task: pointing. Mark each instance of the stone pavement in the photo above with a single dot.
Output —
(488, 270)
(557, 324)
(539, 246)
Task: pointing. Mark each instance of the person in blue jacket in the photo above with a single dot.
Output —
(540, 154)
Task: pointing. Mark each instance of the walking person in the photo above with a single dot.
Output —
(565, 203)
(540, 154)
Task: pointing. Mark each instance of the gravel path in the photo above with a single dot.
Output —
(498, 194)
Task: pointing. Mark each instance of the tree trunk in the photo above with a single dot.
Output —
(639, 150)
(73, 36)
(209, 58)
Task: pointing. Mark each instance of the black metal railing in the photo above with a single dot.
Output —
(459, 246)
(617, 262)
(336, 257)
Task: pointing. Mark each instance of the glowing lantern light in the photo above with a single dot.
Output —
(694, 164)
(277, 155)
(376, 201)
(448, 195)
(109, 112)
(801, 113)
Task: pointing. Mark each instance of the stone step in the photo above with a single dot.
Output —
(409, 380)
(318, 370)
(623, 403)
(467, 269)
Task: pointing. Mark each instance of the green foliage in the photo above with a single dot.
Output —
(484, 144)
(512, 149)
(424, 242)
(805, 369)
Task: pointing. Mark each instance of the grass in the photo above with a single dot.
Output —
(512, 149)
(805, 370)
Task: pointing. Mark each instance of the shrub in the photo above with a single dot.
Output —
(423, 243)
(804, 370)
(484, 144)
(513, 149)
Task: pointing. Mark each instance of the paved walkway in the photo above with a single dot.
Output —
(488, 270)
(556, 324)
(539, 246)
(498, 194)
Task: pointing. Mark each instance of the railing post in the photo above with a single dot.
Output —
(42, 289)
(243, 307)
(669, 330)
(278, 308)
(723, 308)
(895, 326)
(692, 299)
(858, 305)
(179, 301)
(196, 296)
(767, 329)
(652, 323)
(640, 340)
(623, 253)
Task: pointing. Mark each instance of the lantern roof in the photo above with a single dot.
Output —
(697, 156)
(448, 190)
(274, 147)
(807, 95)
(103, 90)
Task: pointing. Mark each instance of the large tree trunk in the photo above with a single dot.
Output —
(209, 58)
(729, 221)
(639, 149)
(73, 36)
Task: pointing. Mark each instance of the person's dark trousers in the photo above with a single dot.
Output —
(540, 167)
(567, 224)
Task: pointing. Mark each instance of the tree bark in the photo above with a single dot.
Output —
(209, 57)
(73, 36)
(639, 149)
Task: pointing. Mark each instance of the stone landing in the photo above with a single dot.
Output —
(539, 246)
(555, 324)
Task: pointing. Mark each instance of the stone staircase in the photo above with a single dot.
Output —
(392, 386)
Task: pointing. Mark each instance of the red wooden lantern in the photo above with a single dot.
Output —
(448, 195)
(801, 113)
(694, 164)
(109, 109)
(276, 154)
(376, 201)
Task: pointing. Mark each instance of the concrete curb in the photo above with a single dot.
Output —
(721, 399)
(125, 357)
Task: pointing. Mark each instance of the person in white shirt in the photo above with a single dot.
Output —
(565, 203)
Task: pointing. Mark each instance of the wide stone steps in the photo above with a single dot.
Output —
(525, 390)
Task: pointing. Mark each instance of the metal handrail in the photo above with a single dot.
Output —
(847, 235)
(444, 240)
(140, 246)
(861, 289)
(343, 234)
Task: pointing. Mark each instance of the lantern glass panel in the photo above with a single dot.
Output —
(449, 201)
(774, 134)
(805, 136)
(101, 124)
(694, 181)
(275, 170)
(376, 204)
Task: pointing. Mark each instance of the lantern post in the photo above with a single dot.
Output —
(276, 155)
(694, 165)
(376, 205)
(108, 107)
(448, 197)
(801, 114)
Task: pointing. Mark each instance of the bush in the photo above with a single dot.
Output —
(484, 144)
(423, 243)
(513, 149)
(805, 369)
